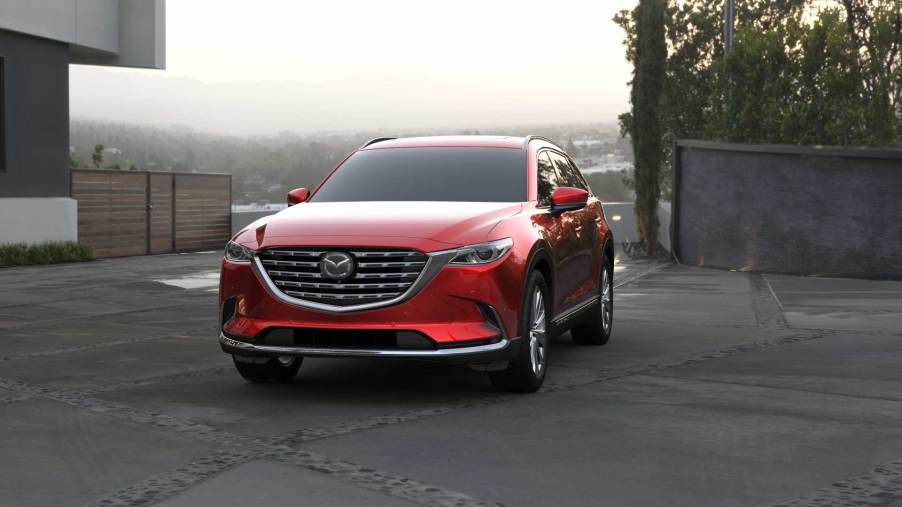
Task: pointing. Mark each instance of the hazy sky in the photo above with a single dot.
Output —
(349, 65)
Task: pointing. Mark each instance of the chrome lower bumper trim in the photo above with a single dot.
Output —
(279, 350)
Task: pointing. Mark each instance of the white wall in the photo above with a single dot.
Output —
(119, 33)
(38, 220)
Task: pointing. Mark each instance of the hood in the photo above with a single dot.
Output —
(449, 223)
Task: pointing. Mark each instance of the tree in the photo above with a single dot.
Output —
(801, 72)
(97, 156)
(827, 77)
(648, 79)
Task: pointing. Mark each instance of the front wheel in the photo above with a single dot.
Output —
(526, 372)
(275, 370)
(596, 330)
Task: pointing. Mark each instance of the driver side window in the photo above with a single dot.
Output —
(569, 174)
(547, 180)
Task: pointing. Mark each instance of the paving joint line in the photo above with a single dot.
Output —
(237, 448)
(100, 345)
(779, 388)
(881, 485)
(156, 380)
(631, 277)
(280, 448)
(92, 316)
(304, 435)
(766, 304)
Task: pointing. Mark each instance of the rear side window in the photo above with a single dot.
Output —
(569, 174)
(429, 174)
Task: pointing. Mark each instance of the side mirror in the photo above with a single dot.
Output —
(568, 198)
(298, 196)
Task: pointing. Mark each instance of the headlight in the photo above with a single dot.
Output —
(235, 252)
(483, 253)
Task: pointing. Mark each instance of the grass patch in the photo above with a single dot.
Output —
(52, 252)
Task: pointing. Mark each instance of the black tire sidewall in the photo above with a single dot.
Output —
(607, 264)
(535, 279)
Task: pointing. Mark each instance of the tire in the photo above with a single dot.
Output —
(596, 329)
(526, 371)
(273, 371)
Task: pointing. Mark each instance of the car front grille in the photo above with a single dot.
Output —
(379, 274)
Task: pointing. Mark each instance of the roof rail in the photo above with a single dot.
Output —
(376, 140)
(529, 138)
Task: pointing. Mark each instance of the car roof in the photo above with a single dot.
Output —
(449, 142)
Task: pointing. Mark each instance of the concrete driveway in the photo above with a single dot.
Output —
(718, 388)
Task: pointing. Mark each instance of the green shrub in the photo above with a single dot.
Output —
(52, 252)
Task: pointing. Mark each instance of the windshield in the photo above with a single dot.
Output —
(429, 174)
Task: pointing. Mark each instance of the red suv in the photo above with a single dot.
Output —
(470, 249)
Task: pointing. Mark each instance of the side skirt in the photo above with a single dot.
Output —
(565, 319)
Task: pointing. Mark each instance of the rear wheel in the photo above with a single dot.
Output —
(596, 330)
(526, 372)
(275, 370)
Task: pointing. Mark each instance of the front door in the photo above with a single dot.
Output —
(582, 232)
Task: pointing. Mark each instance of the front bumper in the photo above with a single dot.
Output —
(501, 350)
(450, 310)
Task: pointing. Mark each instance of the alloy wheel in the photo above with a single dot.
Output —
(538, 337)
(607, 301)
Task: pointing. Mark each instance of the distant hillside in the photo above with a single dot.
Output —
(263, 168)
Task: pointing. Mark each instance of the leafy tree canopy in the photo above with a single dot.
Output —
(825, 72)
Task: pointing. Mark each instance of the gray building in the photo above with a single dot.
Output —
(38, 41)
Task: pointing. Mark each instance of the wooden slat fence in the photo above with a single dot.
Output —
(137, 212)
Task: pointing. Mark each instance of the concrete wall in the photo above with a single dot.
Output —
(36, 73)
(123, 33)
(626, 229)
(37, 220)
(788, 209)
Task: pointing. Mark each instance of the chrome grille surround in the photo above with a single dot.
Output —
(383, 277)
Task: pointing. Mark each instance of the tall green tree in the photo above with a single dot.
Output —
(650, 59)
(823, 72)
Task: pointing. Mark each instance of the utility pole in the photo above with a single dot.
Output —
(728, 22)
(729, 14)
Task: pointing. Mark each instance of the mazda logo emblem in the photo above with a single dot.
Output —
(336, 265)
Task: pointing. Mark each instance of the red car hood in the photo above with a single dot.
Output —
(445, 224)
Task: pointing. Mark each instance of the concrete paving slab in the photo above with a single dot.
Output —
(327, 392)
(55, 454)
(748, 426)
(49, 337)
(688, 295)
(842, 304)
(189, 317)
(855, 365)
(266, 483)
(639, 342)
(100, 366)
(641, 441)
